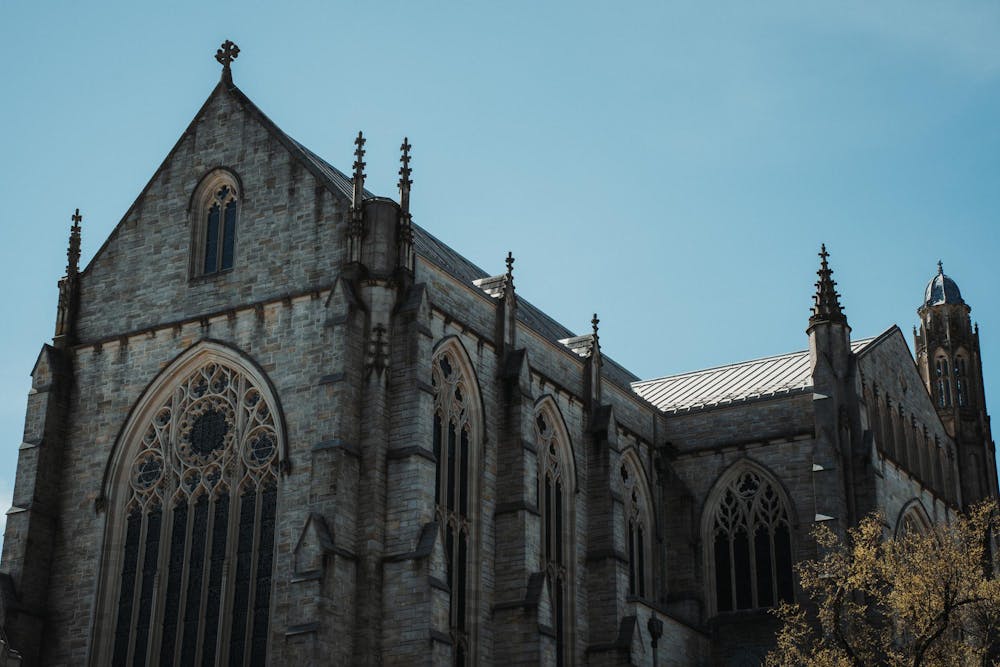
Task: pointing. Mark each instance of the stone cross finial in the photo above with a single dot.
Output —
(940, 267)
(594, 322)
(73, 253)
(510, 264)
(227, 54)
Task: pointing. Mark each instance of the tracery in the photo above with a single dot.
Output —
(751, 545)
(201, 494)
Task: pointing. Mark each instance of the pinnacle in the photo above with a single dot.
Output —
(826, 306)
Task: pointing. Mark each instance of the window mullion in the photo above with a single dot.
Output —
(137, 588)
(254, 558)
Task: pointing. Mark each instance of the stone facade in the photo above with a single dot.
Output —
(347, 320)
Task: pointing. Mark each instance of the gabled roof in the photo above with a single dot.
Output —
(748, 380)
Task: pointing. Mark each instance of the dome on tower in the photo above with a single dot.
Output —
(942, 289)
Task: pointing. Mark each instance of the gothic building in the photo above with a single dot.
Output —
(280, 423)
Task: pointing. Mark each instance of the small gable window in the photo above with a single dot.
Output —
(217, 210)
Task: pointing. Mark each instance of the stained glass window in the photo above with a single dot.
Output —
(210, 446)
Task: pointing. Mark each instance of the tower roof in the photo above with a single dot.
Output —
(941, 289)
(826, 306)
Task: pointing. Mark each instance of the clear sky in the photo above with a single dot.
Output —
(673, 167)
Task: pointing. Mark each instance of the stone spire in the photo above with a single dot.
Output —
(226, 54)
(827, 302)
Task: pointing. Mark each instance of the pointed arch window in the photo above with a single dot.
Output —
(453, 442)
(216, 209)
(943, 381)
(196, 522)
(637, 527)
(751, 545)
(555, 482)
(961, 384)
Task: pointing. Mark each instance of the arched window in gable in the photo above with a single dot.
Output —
(638, 525)
(455, 444)
(216, 208)
(750, 543)
(556, 477)
(193, 509)
(943, 380)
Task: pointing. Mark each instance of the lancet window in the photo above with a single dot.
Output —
(454, 441)
(197, 528)
(961, 384)
(216, 210)
(943, 381)
(555, 481)
(637, 527)
(751, 545)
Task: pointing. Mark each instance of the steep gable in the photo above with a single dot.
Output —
(288, 237)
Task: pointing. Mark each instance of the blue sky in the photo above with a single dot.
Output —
(673, 167)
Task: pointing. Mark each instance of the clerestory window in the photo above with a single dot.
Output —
(191, 583)
(750, 545)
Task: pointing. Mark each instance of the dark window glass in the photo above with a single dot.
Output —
(265, 555)
(741, 573)
(640, 549)
(723, 586)
(244, 560)
(631, 557)
(560, 623)
(762, 553)
(783, 562)
(437, 455)
(149, 563)
(463, 475)
(175, 571)
(212, 240)
(196, 568)
(129, 568)
(228, 236)
(460, 570)
(220, 524)
(451, 466)
(547, 537)
(558, 536)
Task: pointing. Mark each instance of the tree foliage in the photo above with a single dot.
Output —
(925, 597)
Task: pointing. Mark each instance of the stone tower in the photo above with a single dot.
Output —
(949, 361)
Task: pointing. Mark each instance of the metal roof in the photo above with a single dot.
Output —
(744, 381)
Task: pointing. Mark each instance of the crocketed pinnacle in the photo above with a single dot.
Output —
(73, 252)
(827, 302)
(359, 169)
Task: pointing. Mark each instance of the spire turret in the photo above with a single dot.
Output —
(826, 307)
